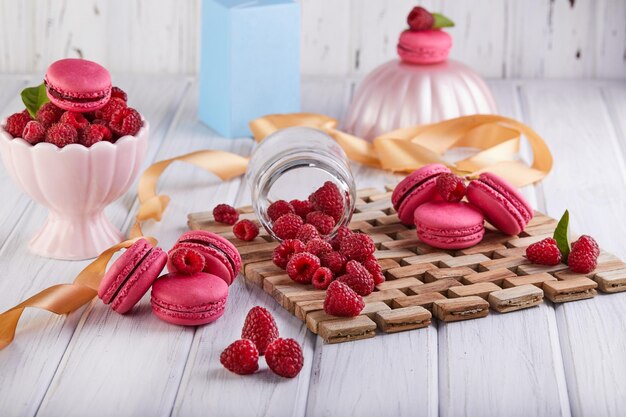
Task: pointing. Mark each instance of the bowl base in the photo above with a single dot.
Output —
(75, 238)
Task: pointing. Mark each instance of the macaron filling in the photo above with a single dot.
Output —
(181, 311)
(114, 290)
(210, 245)
(94, 97)
(517, 209)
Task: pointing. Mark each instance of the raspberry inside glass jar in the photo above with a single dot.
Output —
(301, 176)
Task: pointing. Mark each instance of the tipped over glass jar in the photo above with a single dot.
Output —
(301, 175)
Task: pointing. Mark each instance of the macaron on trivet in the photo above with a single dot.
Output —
(416, 189)
(221, 257)
(131, 275)
(448, 225)
(503, 206)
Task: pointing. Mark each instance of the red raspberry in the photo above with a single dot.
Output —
(283, 252)
(342, 301)
(278, 208)
(241, 357)
(126, 121)
(589, 243)
(584, 256)
(333, 261)
(328, 200)
(34, 132)
(420, 19)
(61, 134)
(49, 114)
(260, 327)
(301, 207)
(322, 278)
(111, 107)
(16, 124)
(317, 247)
(373, 267)
(93, 134)
(342, 232)
(246, 230)
(451, 187)
(358, 278)
(358, 246)
(225, 213)
(307, 232)
(302, 266)
(284, 357)
(322, 222)
(186, 261)
(75, 119)
(119, 93)
(544, 252)
(287, 226)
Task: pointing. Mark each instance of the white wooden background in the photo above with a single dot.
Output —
(500, 38)
(547, 361)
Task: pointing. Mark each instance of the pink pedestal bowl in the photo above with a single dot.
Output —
(399, 94)
(75, 183)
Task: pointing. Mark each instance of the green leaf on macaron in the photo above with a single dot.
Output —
(560, 235)
(441, 21)
(34, 98)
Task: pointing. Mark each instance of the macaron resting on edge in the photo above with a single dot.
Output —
(131, 275)
(502, 204)
(415, 189)
(447, 225)
(78, 85)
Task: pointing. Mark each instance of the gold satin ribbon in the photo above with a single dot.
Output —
(63, 298)
(497, 138)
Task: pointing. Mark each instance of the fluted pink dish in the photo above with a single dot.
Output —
(398, 94)
(75, 183)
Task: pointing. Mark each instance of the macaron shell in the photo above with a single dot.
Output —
(80, 79)
(220, 255)
(416, 189)
(449, 225)
(503, 206)
(140, 281)
(424, 46)
(189, 300)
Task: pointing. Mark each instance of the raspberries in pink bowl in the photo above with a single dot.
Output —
(52, 124)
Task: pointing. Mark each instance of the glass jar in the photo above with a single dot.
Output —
(291, 164)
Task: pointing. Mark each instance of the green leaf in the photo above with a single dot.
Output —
(560, 235)
(441, 21)
(34, 98)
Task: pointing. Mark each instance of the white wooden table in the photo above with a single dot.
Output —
(552, 360)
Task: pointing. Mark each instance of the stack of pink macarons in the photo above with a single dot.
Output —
(431, 198)
(201, 266)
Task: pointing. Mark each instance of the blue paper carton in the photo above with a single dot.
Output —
(250, 62)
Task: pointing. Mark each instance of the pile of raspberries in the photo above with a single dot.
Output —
(61, 128)
(259, 337)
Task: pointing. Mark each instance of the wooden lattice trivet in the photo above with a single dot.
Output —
(423, 281)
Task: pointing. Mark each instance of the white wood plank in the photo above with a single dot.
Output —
(42, 338)
(588, 179)
(503, 363)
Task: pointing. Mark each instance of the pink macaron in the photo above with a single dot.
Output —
(131, 275)
(416, 189)
(503, 206)
(78, 85)
(189, 300)
(424, 46)
(221, 257)
(447, 225)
